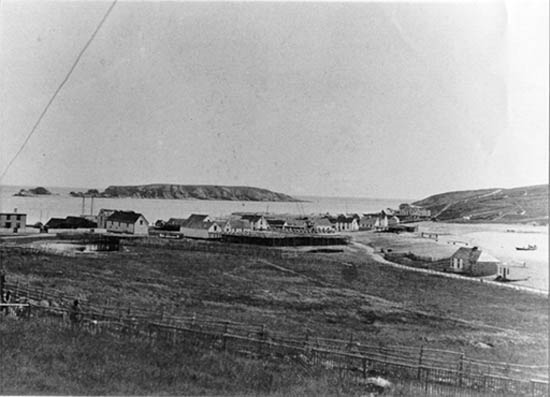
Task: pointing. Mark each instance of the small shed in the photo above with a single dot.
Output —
(473, 262)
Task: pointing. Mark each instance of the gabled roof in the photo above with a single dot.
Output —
(199, 225)
(239, 224)
(195, 221)
(321, 222)
(125, 217)
(197, 218)
(176, 221)
(252, 218)
(474, 254)
(345, 219)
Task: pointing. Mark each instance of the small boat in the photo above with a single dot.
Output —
(528, 248)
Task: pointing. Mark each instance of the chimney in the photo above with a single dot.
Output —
(15, 210)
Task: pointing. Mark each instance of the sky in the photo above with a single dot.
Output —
(331, 99)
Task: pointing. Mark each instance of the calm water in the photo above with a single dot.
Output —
(61, 204)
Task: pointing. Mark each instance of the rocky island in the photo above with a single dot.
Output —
(196, 192)
(37, 191)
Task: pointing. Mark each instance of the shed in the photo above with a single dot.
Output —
(473, 262)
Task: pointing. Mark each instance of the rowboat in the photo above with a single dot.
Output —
(528, 248)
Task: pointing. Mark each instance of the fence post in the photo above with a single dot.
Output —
(460, 369)
(224, 336)
(420, 360)
(364, 365)
(16, 288)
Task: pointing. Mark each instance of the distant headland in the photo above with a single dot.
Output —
(196, 192)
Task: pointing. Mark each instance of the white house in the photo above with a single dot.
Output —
(322, 225)
(237, 226)
(258, 222)
(127, 222)
(13, 221)
(346, 223)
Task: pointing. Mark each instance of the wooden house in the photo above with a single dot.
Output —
(201, 227)
(276, 224)
(237, 226)
(473, 262)
(127, 222)
(13, 221)
(345, 223)
(322, 225)
(258, 222)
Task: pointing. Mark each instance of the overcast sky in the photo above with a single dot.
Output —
(340, 99)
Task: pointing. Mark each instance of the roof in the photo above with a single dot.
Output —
(345, 219)
(368, 220)
(239, 224)
(199, 225)
(296, 223)
(70, 222)
(322, 222)
(195, 221)
(13, 213)
(196, 218)
(473, 255)
(252, 218)
(125, 216)
(276, 222)
(176, 221)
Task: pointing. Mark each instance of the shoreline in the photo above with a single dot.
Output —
(378, 258)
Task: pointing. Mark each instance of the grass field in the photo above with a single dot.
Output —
(331, 295)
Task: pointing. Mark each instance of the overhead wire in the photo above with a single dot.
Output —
(68, 75)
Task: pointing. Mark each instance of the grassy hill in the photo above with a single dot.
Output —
(290, 292)
(522, 204)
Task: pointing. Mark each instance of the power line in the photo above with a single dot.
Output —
(59, 88)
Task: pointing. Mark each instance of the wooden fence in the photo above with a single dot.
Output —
(431, 370)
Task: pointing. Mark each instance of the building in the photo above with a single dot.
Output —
(368, 222)
(237, 226)
(201, 226)
(345, 223)
(322, 225)
(258, 222)
(473, 262)
(276, 224)
(127, 222)
(412, 211)
(296, 226)
(102, 216)
(13, 221)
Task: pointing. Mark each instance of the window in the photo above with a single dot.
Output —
(141, 221)
(18, 217)
(8, 225)
(460, 263)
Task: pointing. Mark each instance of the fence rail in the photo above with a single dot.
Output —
(423, 364)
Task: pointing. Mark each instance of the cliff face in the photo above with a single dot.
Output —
(524, 204)
(199, 192)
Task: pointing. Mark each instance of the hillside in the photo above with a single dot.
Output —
(522, 204)
(198, 192)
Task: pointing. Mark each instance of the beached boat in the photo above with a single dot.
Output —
(528, 248)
